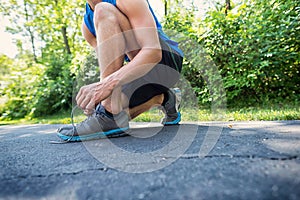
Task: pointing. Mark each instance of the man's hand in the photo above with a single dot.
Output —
(91, 95)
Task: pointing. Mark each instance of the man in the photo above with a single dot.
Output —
(119, 29)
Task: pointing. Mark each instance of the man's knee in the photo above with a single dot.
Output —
(105, 11)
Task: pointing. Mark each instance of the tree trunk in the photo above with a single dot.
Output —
(166, 7)
(66, 41)
(228, 7)
(30, 32)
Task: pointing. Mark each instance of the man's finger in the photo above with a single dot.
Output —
(83, 96)
(85, 101)
(78, 95)
(88, 112)
(80, 100)
(90, 107)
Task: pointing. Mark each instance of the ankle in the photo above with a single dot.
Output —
(113, 109)
(165, 98)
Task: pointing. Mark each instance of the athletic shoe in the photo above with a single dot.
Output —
(171, 107)
(96, 126)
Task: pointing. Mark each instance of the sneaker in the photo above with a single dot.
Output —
(171, 107)
(96, 126)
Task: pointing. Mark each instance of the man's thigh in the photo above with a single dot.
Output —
(162, 77)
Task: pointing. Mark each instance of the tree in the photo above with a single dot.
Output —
(55, 25)
(29, 30)
(54, 31)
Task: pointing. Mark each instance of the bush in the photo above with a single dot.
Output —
(35, 90)
(256, 49)
(19, 88)
(198, 67)
(53, 93)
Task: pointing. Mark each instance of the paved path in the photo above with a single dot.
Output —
(245, 160)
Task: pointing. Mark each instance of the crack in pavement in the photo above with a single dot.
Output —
(195, 156)
(104, 169)
(185, 156)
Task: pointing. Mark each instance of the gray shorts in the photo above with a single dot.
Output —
(162, 77)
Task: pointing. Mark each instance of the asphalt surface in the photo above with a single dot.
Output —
(232, 160)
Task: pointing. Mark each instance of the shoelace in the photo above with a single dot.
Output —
(73, 131)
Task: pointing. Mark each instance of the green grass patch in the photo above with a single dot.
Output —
(271, 112)
(62, 118)
(266, 113)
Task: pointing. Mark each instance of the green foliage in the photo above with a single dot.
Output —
(256, 49)
(54, 91)
(6, 62)
(19, 87)
(251, 55)
(180, 19)
(88, 71)
(34, 89)
(198, 68)
(178, 26)
(40, 82)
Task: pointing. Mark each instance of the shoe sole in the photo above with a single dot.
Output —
(99, 135)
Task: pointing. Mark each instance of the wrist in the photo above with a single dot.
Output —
(110, 83)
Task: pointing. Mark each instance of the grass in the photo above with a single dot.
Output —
(259, 113)
(63, 118)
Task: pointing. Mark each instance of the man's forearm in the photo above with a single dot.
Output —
(142, 63)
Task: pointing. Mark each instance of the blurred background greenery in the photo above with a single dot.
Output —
(253, 45)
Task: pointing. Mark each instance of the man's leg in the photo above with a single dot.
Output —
(110, 51)
(115, 38)
(155, 101)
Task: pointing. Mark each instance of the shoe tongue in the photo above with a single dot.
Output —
(101, 109)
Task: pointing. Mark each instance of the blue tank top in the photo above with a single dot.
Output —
(89, 22)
